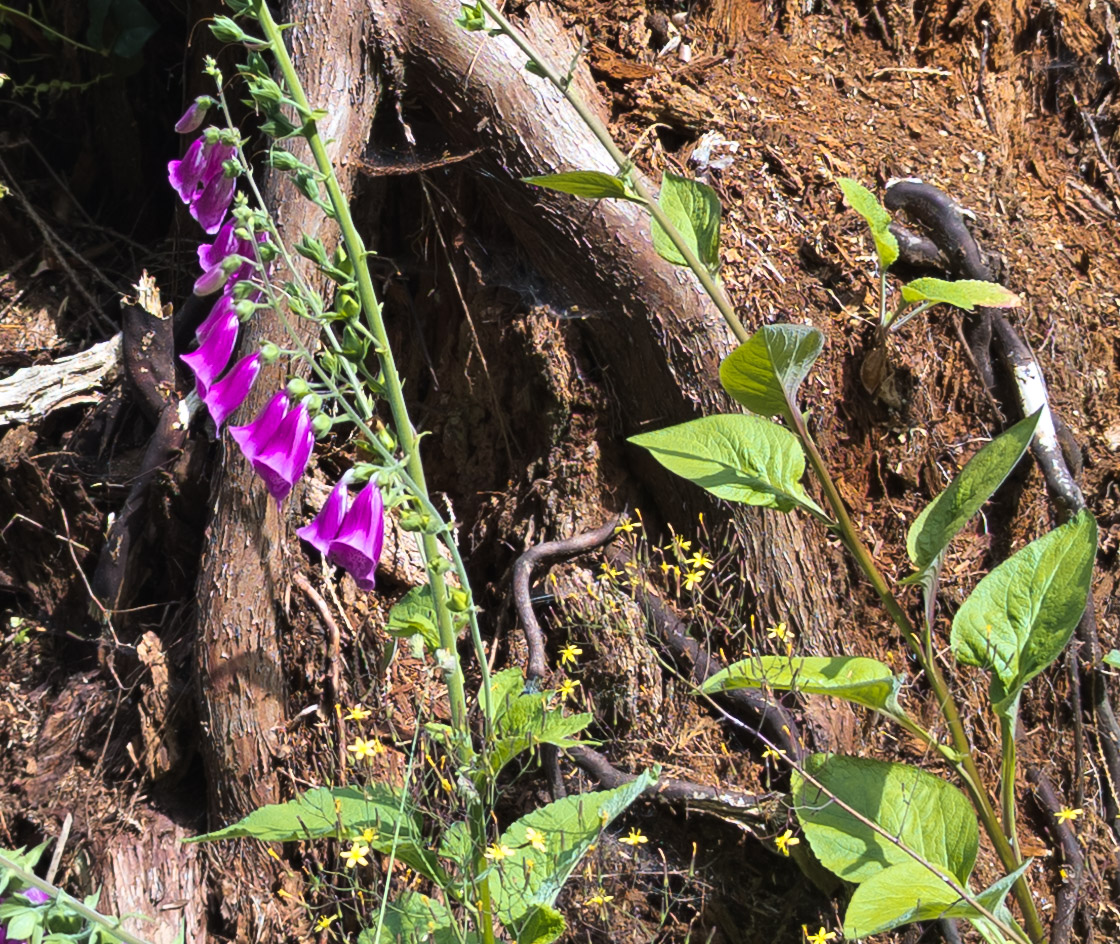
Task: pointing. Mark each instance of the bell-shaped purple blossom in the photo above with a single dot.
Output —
(357, 546)
(278, 444)
(212, 258)
(224, 396)
(252, 437)
(225, 244)
(324, 527)
(217, 336)
(200, 180)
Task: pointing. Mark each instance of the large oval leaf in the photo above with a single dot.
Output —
(921, 811)
(910, 892)
(737, 457)
(942, 518)
(765, 373)
(1021, 616)
(694, 209)
(964, 293)
(866, 682)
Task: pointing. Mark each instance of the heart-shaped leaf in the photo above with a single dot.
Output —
(920, 811)
(737, 457)
(764, 374)
(1021, 616)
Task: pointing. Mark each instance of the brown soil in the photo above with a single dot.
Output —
(985, 102)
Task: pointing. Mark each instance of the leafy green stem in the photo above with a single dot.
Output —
(32, 880)
(394, 392)
(1007, 777)
(710, 285)
(965, 765)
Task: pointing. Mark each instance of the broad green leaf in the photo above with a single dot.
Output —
(542, 925)
(740, 458)
(921, 811)
(530, 878)
(694, 209)
(867, 205)
(765, 373)
(344, 813)
(585, 183)
(528, 722)
(505, 686)
(414, 918)
(910, 892)
(964, 293)
(1019, 618)
(942, 518)
(412, 615)
(863, 681)
(1113, 658)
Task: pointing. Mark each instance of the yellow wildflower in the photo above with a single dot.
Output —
(1065, 814)
(692, 578)
(784, 841)
(369, 834)
(498, 851)
(356, 855)
(700, 561)
(357, 713)
(569, 654)
(535, 838)
(821, 937)
(779, 632)
(362, 748)
(625, 524)
(325, 921)
(635, 838)
(770, 752)
(599, 899)
(608, 572)
(567, 687)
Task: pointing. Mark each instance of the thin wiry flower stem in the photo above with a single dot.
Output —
(707, 281)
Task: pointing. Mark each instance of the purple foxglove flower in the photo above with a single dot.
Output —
(195, 115)
(324, 528)
(212, 203)
(36, 896)
(254, 436)
(186, 174)
(281, 461)
(224, 244)
(216, 337)
(357, 546)
(224, 396)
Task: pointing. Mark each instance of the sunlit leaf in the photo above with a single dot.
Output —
(593, 184)
(964, 293)
(765, 373)
(694, 209)
(878, 220)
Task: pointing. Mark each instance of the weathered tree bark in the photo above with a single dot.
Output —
(661, 338)
(242, 578)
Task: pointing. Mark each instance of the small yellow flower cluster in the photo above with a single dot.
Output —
(785, 841)
(635, 838)
(497, 851)
(821, 937)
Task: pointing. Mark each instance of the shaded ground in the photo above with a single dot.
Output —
(991, 113)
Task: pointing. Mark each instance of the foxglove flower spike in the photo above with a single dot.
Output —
(227, 394)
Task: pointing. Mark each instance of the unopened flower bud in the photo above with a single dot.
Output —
(226, 30)
(270, 353)
(195, 115)
(313, 402)
(321, 425)
(298, 388)
(245, 309)
(458, 601)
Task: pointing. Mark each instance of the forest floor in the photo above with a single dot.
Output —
(995, 124)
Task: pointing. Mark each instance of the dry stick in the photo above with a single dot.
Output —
(1065, 898)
